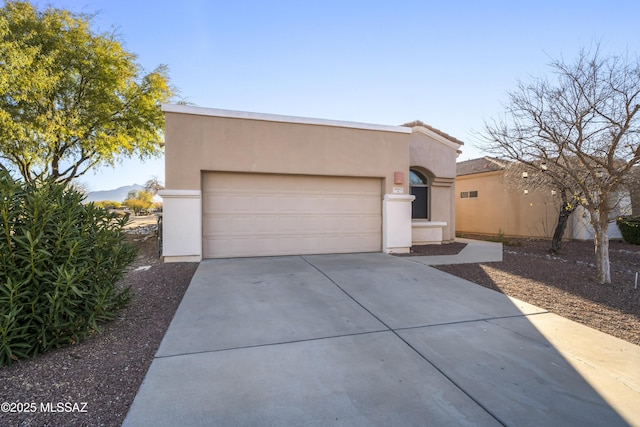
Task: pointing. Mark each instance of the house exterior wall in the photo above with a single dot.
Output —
(486, 213)
(635, 202)
(435, 157)
(503, 209)
(196, 143)
(634, 191)
(580, 223)
(430, 150)
(199, 140)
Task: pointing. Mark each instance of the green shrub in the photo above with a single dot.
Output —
(60, 261)
(630, 229)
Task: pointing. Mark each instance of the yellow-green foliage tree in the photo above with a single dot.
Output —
(70, 98)
(139, 201)
(108, 204)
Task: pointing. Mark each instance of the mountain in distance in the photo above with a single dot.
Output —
(117, 195)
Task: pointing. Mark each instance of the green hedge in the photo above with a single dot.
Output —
(60, 261)
(630, 229)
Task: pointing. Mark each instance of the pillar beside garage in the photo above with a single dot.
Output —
(182, 225)
(396, 223)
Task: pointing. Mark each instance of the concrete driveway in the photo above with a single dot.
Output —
(372, 339)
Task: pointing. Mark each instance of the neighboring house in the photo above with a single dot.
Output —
(635, 191)
(487, 204)
(249, 184)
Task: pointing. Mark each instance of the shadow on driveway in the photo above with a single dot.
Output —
(372, 339)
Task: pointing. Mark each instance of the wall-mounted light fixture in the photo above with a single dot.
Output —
(398, 178)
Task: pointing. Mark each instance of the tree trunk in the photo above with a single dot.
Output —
(566, 210)
(601, 243)
(561, 226)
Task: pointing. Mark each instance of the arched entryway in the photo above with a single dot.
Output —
(419, 187)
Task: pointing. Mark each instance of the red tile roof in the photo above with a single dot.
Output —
(432, 129)
(483, 164)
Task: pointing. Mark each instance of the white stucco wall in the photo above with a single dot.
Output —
(396, 223)
(181, 225)
(582, 229)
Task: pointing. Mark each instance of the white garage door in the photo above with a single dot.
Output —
(246, 214)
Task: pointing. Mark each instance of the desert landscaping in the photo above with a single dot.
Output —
(106, 370)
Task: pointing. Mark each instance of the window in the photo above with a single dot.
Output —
(473, 194)
(468, 194)
(419, 187)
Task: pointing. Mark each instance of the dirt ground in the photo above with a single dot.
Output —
(146, 221)
(97, 379)
(564, 283)
(105, 371)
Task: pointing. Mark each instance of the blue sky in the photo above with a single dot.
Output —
(449, 64)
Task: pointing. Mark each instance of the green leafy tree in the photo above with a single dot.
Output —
(139, 201)
(70, 98)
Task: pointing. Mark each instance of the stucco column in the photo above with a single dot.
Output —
(443, 205)
(396, 223)
(182, 225)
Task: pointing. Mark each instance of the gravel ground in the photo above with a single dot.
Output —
(105, 371)
(99, 377)
(563, 284)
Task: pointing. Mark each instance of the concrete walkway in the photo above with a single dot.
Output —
(372, 339)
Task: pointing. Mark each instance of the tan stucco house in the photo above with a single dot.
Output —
(486, 203)
(244, 184)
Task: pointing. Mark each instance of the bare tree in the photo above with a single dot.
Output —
(546, 178)
(153, 185)
(80, 186)
(583, 123)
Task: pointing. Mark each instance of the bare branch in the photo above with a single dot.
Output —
(584, 124)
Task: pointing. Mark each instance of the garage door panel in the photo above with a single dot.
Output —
(248, 214)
